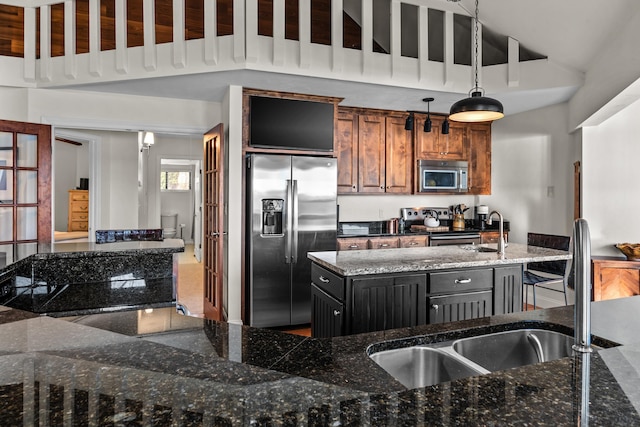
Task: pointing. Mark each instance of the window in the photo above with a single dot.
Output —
(175, 180)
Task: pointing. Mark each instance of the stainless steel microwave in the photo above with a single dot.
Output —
(444, 176)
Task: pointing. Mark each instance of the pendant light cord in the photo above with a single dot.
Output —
(476, 44)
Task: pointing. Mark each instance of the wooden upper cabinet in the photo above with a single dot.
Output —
(346, 142)
(399, 155)
(435, 145)
(371, 153)
(479, 148)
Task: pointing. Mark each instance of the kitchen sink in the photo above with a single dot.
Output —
(429, 364)
(504, 350)
(486, 249)
(422, 366)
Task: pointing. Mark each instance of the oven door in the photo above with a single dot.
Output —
(439, 179)
(450, 239)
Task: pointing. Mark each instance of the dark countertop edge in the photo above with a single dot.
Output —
(106, 253)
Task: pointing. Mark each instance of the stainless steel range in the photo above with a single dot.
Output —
(442, 235)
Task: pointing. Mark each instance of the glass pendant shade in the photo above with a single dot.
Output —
(476, 108)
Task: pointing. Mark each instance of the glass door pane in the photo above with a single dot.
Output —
(27, 151)
(27, 187)
(6, 224)
(6, 186)
(27, 223)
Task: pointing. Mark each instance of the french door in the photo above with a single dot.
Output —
(25, 189)
(213, 233)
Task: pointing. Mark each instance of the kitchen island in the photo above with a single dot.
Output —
(365, 291)
(159, 368)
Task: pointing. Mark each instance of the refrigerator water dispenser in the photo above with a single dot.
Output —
(272, 216)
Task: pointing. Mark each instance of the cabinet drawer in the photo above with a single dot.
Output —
(79, 216)
(78, 226)
(327, 281)
(352, 244)
(451, 308)
(460, 281)
(79, 196)
(413, 242)
(79, 206)
(383, 243)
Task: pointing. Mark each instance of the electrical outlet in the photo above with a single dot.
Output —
(551, 191)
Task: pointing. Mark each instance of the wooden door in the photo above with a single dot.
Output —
(399, 155)
(371, 156)
(25, 188)
(347, 151)
(213, 222)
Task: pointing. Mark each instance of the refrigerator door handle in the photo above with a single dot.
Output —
(294, 229)
(289, 223)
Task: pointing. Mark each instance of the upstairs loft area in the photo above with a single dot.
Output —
(494, 46)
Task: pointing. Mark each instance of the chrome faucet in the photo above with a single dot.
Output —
(489, 221)
(582, 274)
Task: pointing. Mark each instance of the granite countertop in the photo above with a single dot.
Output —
(82, 249)
(143, 368)
(354, 263)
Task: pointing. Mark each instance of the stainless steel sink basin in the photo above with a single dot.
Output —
(486, 249)
(504, 350)
(422, 366)
(429, 364)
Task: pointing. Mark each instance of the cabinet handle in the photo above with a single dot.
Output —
(383, 245)
(435, 306)
(324, 279)
(461, 281)
(413, 243)
(337, 312)
(354, 187)
(353, 246)
(382, 187)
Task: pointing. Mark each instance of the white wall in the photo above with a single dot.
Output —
(609, 178)
(65, 179)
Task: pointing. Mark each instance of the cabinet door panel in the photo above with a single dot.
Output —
(388, 302)
(383, 243)
(371, 154)
(326, 314)
(347, 151)
(399, 170)
(619, 282)
(450, 308)
(507, 294)
(427, 143)
(479, 141)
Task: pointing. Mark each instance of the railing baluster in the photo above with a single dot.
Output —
(210, 32)
(45, 43)
(70, 67)
(150, 50)
(448, 76)
(396, 36)
(513, 67)
(278, 32)
(95, 65)
(336, 35)
(242, 31)
(423, 41)
(30, 44)
(122, 63)
(179, 44)
(367, 37)
(304, 32)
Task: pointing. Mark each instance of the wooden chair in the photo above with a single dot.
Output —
(544, 274)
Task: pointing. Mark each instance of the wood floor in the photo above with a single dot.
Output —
(191, 289)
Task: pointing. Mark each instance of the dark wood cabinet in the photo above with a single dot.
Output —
(479, 149)
(348, 305)
(388, 302)
(371, 153)
(492, 236)
(375, 152)
(346, 143)
(435, 145)
(464, 306)
(507, 290)
(327, 314)
(398, 156)
(615, 278)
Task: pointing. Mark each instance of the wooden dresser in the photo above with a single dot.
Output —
(78, 210)
(615, 278)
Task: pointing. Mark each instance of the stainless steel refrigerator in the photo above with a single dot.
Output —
(291, 202)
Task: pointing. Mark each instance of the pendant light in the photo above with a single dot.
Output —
(477, 107)
(427, 123)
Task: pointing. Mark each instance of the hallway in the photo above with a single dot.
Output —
(190, 286)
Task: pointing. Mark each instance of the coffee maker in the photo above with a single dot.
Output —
(481, 213)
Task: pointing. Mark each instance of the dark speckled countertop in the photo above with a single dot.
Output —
(158, 367)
